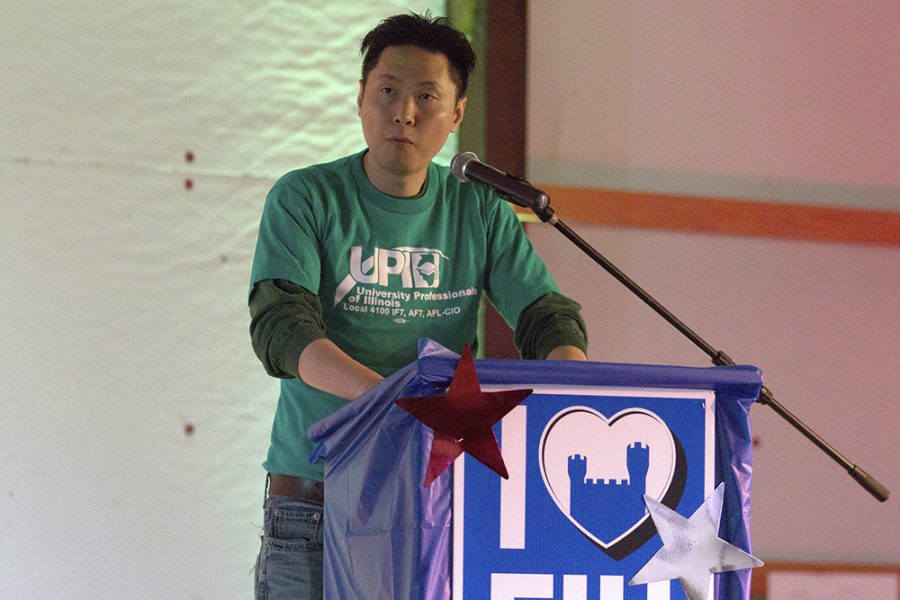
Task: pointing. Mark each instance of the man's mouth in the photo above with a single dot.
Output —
(400, 140)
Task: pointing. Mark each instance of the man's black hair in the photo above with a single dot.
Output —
(433, 34)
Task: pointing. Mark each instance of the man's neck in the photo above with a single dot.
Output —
(401, 186)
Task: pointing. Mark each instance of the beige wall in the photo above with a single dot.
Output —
(789, 101)
(123, 294)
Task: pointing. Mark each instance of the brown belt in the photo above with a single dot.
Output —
(296, 487)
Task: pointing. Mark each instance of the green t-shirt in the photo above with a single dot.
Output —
(388, 271)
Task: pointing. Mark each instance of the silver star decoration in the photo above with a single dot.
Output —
(692, 550)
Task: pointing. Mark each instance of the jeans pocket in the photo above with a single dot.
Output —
(290, 562)
(294, 525)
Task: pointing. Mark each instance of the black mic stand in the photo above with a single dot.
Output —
(546, 214)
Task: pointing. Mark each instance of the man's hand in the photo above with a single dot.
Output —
(566, 353)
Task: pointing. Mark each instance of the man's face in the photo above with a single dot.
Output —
(408, 107)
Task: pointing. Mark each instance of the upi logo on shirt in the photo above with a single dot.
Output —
(407, 266)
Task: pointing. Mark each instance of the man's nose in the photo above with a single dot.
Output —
(405, 111)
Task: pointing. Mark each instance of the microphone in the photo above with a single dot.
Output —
(466, 167)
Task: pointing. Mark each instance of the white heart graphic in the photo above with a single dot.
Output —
(600, 447)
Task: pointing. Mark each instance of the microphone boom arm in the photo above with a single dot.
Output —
(546, 214)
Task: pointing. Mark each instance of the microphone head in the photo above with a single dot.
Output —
(459, 163)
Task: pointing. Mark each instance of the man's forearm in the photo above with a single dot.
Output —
(325, 366)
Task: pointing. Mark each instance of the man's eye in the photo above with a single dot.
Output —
(387, 90)
(426, 96)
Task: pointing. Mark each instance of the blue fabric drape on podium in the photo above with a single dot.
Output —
(389, 536)
(386, 535)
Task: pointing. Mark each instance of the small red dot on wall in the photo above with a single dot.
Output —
(188, 184)
(756, 442)
(189, 156)
(189, 429)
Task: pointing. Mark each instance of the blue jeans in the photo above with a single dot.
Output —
(291, 558)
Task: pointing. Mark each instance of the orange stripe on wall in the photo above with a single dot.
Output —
(759, 578)
(713, 215)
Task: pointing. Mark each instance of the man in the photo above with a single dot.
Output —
(359, 258)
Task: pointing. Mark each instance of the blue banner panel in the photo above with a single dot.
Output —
(587, 457)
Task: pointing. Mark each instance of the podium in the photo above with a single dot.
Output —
(570, 522)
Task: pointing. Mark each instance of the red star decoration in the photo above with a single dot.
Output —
(462, 420)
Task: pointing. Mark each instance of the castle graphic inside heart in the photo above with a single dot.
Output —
(597, 470)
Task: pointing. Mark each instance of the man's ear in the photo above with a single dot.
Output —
(359, 96)
(460, 111)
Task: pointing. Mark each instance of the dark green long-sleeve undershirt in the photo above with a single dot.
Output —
(285, 318)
